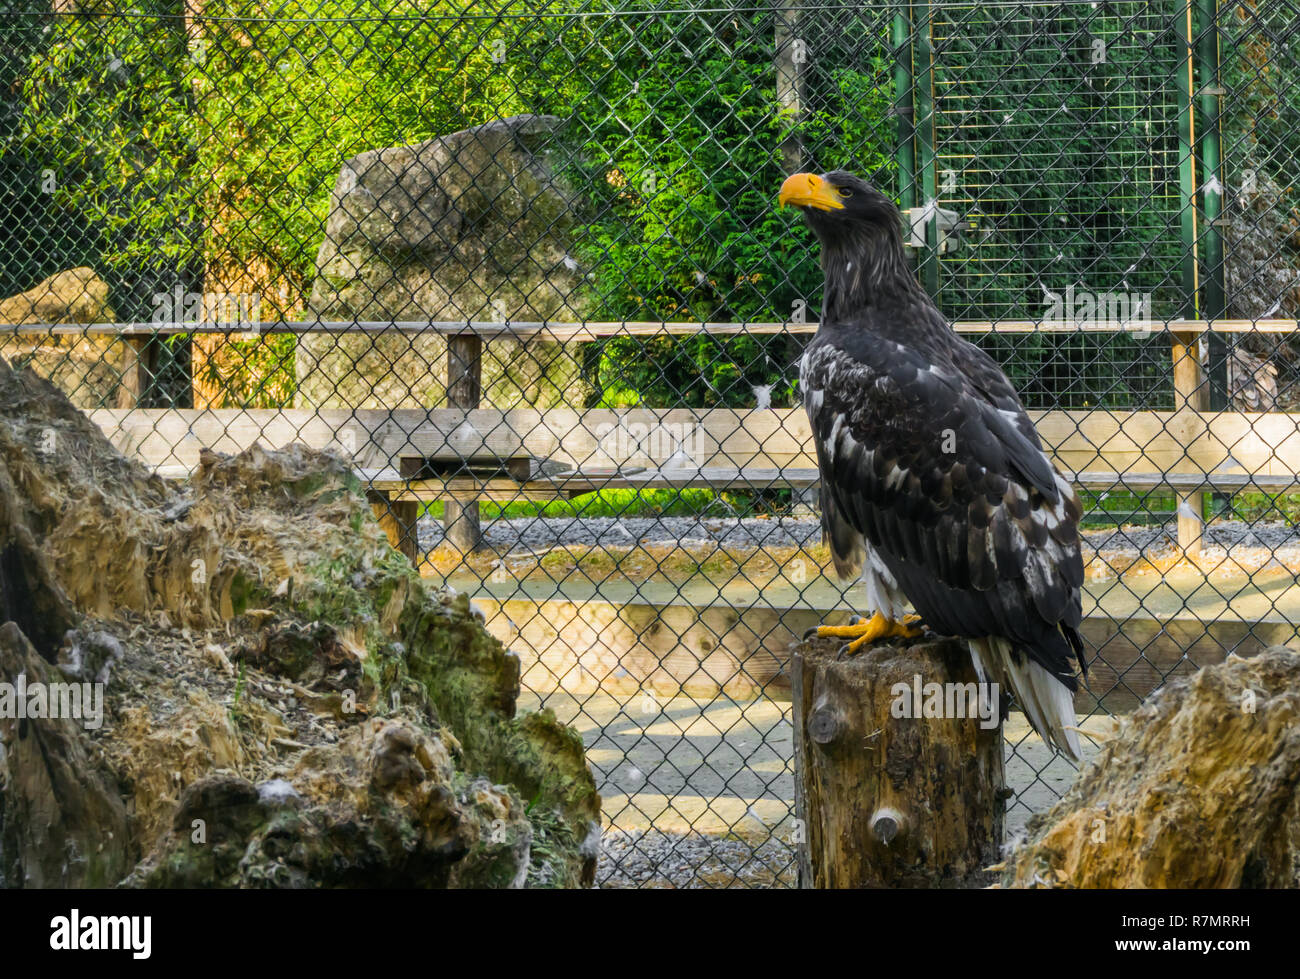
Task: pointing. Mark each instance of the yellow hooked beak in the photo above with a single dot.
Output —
(810, 190)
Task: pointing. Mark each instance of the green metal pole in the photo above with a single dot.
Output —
(1213, 292)
(929, 189)
(1188, 385)
(1186, 160)
(904, 108)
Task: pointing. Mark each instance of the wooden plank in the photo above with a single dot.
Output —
(584, 332)
(735, 479)
(1189, 393)
(1194, 450)
(1146, 441)
(1236, 442)
(1187, 482)
(780, 438)
(173, 437)
(579, 483)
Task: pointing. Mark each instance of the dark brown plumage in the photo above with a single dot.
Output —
(934, 482)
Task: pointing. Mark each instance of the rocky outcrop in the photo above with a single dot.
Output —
(284, 702)
(469, 226)
(75, 296)
(1262, 272)
(88, 368)
(1200, 787)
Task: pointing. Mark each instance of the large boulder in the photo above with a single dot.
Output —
(1262, 263)
(284, 702)
(88, 369)
(469, 226)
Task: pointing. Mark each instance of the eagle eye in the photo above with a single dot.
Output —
(845, 193)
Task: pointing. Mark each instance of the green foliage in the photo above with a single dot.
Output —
(217, 150)
(32, 246)
(687, 226)
(1067, 152)
(638, 503)
(107, 108)
(1258, 507)
(207, 154)
(1058, 131)
(285, 97)
(1261, 73)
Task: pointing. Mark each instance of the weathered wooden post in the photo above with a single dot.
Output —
(134, 382)
(895, 801)
(399, 519)
(460, 518)
(1189, 395)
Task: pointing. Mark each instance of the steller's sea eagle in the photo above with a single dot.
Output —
(934, 485)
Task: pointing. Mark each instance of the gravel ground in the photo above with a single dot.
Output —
(525, 534)
(650, 858)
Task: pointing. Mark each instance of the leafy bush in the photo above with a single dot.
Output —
(689, 229)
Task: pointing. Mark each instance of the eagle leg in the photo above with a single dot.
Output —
(866, 631)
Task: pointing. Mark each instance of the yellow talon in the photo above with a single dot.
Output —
(867, 631)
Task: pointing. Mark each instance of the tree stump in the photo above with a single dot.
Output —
(895, 801)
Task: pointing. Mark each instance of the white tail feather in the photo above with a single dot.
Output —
(1046, 701)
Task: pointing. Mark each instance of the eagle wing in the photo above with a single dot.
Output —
(931, 463)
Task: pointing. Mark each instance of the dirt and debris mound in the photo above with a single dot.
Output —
(1200, 787)
(281, 701)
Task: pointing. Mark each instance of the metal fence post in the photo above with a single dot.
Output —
(1213, 289)
(902, 37)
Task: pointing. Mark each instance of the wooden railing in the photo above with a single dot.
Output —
(1189, 450)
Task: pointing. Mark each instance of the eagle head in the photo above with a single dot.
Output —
(839, 203)
(861, 235)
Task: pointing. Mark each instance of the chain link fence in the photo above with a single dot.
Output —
(521, 264)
